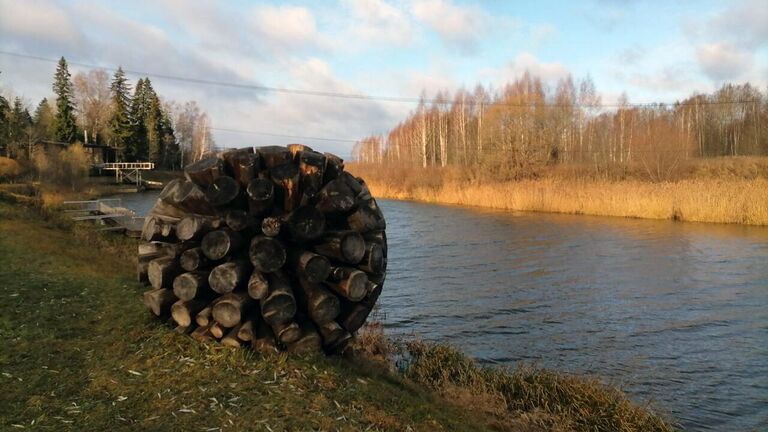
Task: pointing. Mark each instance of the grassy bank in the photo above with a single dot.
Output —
(712, 193)
(81, 353)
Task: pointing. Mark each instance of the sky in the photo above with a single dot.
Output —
(651, 50)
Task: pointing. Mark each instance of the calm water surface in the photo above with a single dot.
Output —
(675, 313)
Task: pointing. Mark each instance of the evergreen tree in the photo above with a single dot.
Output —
(20, 128)
(43, 121)
(65, 124)
(137, 146)
(171, 152)
(153, 123)
(120, 124)
(5, 116)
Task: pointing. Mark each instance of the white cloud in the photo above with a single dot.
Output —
(39, 20)
(527, 62)
(722, 62)
(284, 26)
(744, 23)
(458, 26)
(377, 21)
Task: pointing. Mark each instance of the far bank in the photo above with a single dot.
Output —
(720, 199)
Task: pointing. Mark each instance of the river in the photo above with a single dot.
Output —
(676, 314)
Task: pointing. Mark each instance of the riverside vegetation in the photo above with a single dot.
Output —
(81, 353)
(725, 190)
(527, 146)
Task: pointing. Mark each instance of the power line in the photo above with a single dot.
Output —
(353, 96)
(282, 135)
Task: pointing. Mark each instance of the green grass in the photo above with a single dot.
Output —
(80, 352)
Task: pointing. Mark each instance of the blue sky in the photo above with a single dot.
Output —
(653, 51)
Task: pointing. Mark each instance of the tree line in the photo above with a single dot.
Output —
(525, 124)
(92, 109)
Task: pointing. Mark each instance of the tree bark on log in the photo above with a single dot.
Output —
(296, 149)
(311, 169)
(261, 196)
(162, 271)
(231, 340)
(345, 246)
(280, 304)
(183, 311)
(142, 265)
(223, 191)
(204, 317)
(218, 244)
(373, 260)
(287, 332)
(266, 254)
(191, 198)
(245, 331)
(202, 333)
(334, 336)
(334, 166)
(286, 179)
(306, 224)
(308, 265)
(194, 260)
(231, 308)
(321, 305)
(191, 285)
(309, 342)
(205, 171)
(263, 338)
(348, 282)
(227, 277)
(159, 300)
(245, 168)
(258, 287)
(216, 330)
(194, 227)
(273, 156)
(335, 197)
(239, 220)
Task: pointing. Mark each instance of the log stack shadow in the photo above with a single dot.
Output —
(273, 247)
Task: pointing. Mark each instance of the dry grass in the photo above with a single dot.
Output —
(721, 192)
(10, 169)
(529, 398)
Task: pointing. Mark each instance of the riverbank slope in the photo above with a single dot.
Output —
(82, 353)
(739, 197)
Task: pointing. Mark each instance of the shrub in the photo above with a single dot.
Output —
(10, 169)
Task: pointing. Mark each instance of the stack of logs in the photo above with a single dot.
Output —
(275, 246)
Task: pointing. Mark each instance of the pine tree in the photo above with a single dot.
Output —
(137, 144)
(171, 153)
(120, 124)
(43, 121)
(153, 123)
(5, 116)
(65, 124)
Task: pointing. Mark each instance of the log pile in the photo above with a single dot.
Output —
(273, 247)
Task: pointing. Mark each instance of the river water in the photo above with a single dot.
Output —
(676, 314)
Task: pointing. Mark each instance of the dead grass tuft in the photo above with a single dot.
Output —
(537, 397)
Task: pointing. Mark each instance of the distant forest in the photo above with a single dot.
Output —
(525, 124)
(92, 109)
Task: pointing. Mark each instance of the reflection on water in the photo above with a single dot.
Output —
(675, 313)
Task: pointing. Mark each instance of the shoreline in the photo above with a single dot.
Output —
(722, 201)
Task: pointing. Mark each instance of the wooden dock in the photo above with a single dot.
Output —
(108, 213)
